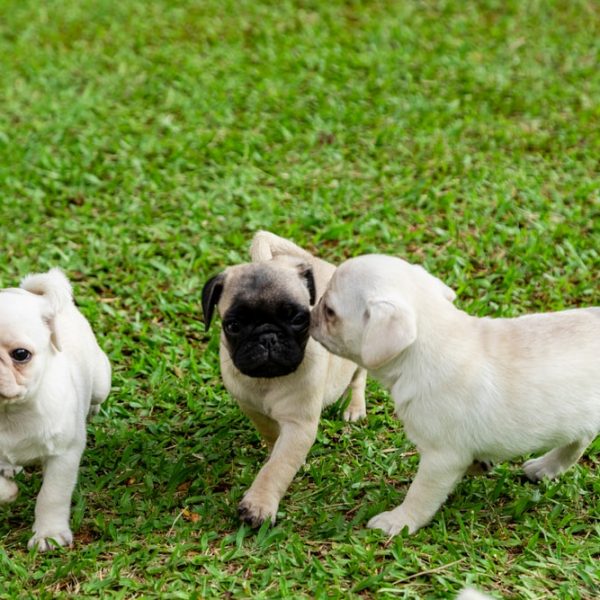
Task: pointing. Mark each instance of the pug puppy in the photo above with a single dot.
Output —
(467, 389)
(280, 377)
(53, 375)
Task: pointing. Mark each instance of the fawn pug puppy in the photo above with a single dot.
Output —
(280, 377)
(466, 388)
(52, 376)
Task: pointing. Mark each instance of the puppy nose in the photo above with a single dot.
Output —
(268, 339)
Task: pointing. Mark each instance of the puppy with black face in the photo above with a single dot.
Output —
(266, 326)
(280, 377)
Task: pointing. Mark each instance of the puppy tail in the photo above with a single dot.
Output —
(266, 246)
(53, 285)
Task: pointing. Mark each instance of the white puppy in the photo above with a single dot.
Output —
(53, 375)
(467, 389)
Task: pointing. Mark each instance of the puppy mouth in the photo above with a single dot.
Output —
(316, 334)
(13, 398)
(329, 347)
(268, 370)
(264, 361)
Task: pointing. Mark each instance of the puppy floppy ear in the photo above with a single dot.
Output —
(306, 274)
(50, 320)
(211, 294)
(391, 326)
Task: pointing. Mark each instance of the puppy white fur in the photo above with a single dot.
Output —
(472, 594)
(284, 409)
(467, 389)
(53, 375)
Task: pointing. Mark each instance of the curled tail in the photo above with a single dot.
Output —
(266, 246)
(53, 285)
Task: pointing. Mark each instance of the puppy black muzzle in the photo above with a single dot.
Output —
(268, 354)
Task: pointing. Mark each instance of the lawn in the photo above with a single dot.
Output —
(142, 142)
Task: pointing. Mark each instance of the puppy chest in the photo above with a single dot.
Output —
(21, 447)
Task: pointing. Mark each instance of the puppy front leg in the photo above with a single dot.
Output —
(435, 479)
(261, 501)
(53, 505)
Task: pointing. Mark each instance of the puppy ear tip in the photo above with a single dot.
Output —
(211, 294)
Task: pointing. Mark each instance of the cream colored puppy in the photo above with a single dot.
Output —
(280, 377)
(52, 376)
(467, 389)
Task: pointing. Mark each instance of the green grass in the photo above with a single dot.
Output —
(141, 145)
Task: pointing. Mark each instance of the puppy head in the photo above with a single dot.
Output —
(26, 328)
(265, 310)
(369, 311)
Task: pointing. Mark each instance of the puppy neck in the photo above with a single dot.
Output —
(444, 345)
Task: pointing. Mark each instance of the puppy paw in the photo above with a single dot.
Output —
(47, 539)
(8, 490)
(255, 512)
(354, 413)
(538, 468)
(392, 522)
(9, 471)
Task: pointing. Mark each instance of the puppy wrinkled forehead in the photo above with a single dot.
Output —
(265, 282)
(255, 279)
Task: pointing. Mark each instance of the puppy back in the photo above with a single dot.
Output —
(53, 285)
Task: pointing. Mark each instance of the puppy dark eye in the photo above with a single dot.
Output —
(299, 320)
(20, 355)
(329, 312)
(232, 327)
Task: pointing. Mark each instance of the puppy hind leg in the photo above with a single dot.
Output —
(8, 490)
(101, 382)
(435, 480)
(357, 408)
(556, 461)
